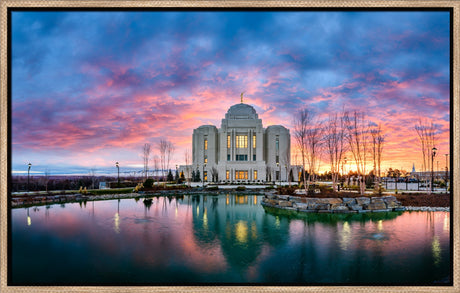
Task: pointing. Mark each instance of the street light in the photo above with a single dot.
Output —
(447, 175)
(396, 175)
(433, 154)
(118, 169)
(28, 175)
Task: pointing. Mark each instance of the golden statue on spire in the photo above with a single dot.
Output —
(242, 97)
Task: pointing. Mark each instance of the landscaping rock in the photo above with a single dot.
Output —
(329, 200)
(344, 212)
(355, 207)
(381, 210)
(300, 205)
(318, 206)
(285, 203)
(339, 207)
(273, 202)
(363, 200)
(388, 198)
(271, 196)
(393, 204)
(376, 206)
(295, 199)
(309, 200)
(377, 200)
(349, 201)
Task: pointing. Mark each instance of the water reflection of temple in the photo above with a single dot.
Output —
(239, 224)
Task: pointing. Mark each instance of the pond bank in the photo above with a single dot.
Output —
(341, 205)
(43, 199)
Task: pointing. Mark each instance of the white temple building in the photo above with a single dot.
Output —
(241, 150)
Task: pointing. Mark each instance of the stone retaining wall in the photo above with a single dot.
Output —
(64, 198)
(24, 201)
(334, 205)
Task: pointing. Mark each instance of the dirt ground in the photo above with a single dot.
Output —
(412, 199)
(424, 200)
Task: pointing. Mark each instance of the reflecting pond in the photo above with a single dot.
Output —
(223, 239)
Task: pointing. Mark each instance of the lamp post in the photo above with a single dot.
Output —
(396, 175)
(204, 166)
(418, 182)
(118, 169)
(433, 154)
(447, 174)
(345, 161)
(437, 169)
(28, 175)
(407, 180)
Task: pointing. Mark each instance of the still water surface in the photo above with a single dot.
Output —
(223, 239)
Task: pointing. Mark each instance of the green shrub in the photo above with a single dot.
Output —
(211, 188)
(286, 190)
(353, 187)
(241, 188)
(148, 183)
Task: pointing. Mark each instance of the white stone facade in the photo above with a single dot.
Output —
(241, 150)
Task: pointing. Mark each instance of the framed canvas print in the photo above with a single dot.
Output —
(229, 145)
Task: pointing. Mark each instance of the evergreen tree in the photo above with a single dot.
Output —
(193, 176)
(197, 174)
(170, 176)
(176, 177)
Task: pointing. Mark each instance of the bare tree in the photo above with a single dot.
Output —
(169, 153)
(166, 151)
(377, 148)
(188, 162)
(156, 165)
(46, 178)
(301, 122)
(314, 148)
(92, 175)
(146, 158)
(427, 136)
(358, 141)
(287, 163)
(335, 144)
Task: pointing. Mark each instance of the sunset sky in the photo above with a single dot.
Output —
(90, 88)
